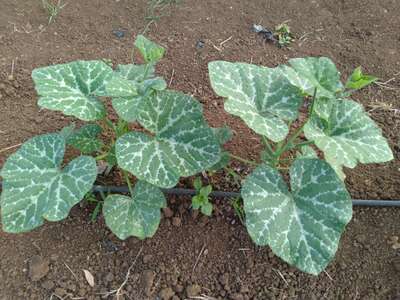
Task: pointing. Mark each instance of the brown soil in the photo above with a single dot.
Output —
(214, 254)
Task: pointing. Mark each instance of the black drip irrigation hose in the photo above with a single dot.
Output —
(220, 194)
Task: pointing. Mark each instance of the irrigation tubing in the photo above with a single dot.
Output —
(220, 194)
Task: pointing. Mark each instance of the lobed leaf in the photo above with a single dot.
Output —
(261, 96)
(182, 145)
(138, 215)
(85, 139)
(348, 137)
(312, 73)
(358, 80)
(72, 88)
(150, 51)
(140, 83)
(303, 226)
(35, 188)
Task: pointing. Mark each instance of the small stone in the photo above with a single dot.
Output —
(396, 264)
(166, 293)
(109, 277)
(237, 296)
(193, 290)
(168, 213)
(60, 292)
(175, 298)
(48, 285)
(38, 268)
(147, 258)
(176, 221)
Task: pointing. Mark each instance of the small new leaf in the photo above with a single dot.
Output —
(150, 51)
(85, 139)
(72, 88)
(303, 226)
(358, 80)
(36, 188)
(138, 215)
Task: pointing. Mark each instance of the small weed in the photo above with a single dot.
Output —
(52, 9)
(201, 200)
(238, 207)
(155, 7)
(91, 198)
(283, 34)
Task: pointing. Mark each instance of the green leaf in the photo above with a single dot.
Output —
(308, 152)
(182, 145)
(222, 163)
(150, 51)
(67, 131)
(85, 139)
(261, 96)
(196, 201)
(197, 184)
(142, 78)
(136, 73)
(223, 134)
(118, 86)
(349, 136)
(312, 73)
(205, 191)
(358, 80)
(36, 188)
(206, 209)
(303, 226)
(72, 88)
(138, 215)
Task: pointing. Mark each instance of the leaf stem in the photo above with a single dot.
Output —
(249, 162)
(126, 175)
(101, 156)
(289, 144)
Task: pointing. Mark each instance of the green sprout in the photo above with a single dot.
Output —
(201, 200)
(52, 9)
(285, 37)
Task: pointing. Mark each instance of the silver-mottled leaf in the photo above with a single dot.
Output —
(72, 88)
(85, 139)
(312, 73)
(141, 79)
(182, 145)
(261, 96)
(138, 215)
(35, 188)
(303, 226)
(349, 136)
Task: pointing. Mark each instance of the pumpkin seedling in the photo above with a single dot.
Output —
(302, 223)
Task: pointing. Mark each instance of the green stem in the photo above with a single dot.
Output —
(101, 156)
(289, 144)
(110, 124)
(128, 182)
(268, 146)
(301, 144)
(249, 162)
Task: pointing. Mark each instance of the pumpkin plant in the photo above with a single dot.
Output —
(301, 222)
(174, 141)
